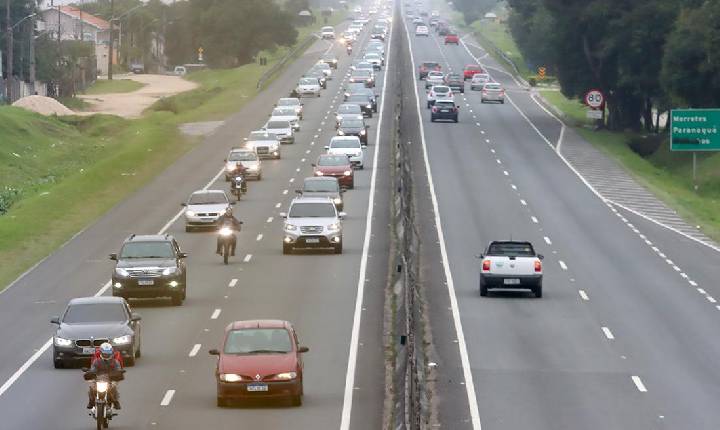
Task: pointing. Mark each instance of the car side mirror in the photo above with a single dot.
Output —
(327, 147)
(298, 192)
(283, 214)
(363, 146)
(113, 257)
(182, 255)
(342, 215)
(55, 320)
(225, 160)
(303, 349)
(540, 256)
(183, 204)
(480, 256)
(214, 352)
(245, 139)
(313, 165)
(134, 317)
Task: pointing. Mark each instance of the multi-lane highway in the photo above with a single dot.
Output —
(625, 334)
(334, 301)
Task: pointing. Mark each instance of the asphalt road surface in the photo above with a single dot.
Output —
(625, 336)
(172, 388)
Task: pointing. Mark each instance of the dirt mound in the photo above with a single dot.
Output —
(43, 105)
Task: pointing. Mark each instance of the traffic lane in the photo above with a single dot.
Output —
(80, 267)
(531, 348)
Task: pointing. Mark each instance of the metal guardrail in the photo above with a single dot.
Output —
(501, 54)
(289, 56)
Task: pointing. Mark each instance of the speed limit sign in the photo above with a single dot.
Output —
(594, 99)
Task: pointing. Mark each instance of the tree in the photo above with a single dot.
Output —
(474, 9)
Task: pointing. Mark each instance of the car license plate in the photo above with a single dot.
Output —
(88, 351)
(511, 281)
(312, 240)
(444, 110)
(257, 387)
(146, 282)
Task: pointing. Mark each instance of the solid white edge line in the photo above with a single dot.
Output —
(194, 350)
(357, 317)
(167, 398)
(639, 384)
(462, 346)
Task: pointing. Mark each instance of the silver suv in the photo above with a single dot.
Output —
(312, 222)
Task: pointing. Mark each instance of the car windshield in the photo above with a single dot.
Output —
(147, 250)
(362, 73)
(348, 108)
(261, 135)
(283, 112)
(288, 102)
(444, 104)
(511, 249)
(345, 143)
(207, 199)
(435, 75)
(88, 313)
(492, 87)
(357, 98)
(308, 81)
(258, 341)
(372, 55)
(441, 89)
(333, 160)
(312, 210)
(278, 124)
(454, 77)
(321, 186)
(352, 123)
(472, 68)
(242, 156)
(430, 65)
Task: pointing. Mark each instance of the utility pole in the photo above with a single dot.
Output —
(32, 51)
(112, 41)
(9, 40)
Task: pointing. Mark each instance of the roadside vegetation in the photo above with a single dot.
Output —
(58, 174)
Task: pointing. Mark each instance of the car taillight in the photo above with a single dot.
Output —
(502, 92)
(486, 265)
(485, 92)
(455, 109)
(538, 266)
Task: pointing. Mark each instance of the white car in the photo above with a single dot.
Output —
(349, 146)
(478, 81)
(511, 264)
(294, 102)
(282, 129)
(312, 222)
(309, 87)
(492, 91)
(355, 28)
(204, 207)
(434, 78)
(265, 145)
(327, 32)
(422, 30)
(247, 158)
(325, 67)
(286, 113)
(375, 59)
(439, 92)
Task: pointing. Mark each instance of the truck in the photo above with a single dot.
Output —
(511, 264)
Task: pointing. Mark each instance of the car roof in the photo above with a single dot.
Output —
(320, 179)
(93, 300)
(208, 191)
(149, 238)
(239, 325)
(314, 200)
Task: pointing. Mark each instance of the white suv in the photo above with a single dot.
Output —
(349, 146)
(327, 32)
(312, 223)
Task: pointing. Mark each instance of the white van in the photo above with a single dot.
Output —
(327, 32)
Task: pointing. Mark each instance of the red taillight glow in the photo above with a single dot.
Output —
(538, 266)
(486, 265)
(434, 109)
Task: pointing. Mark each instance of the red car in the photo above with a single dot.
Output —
(452, 38)
(336, 166)
(428, 66)
(470, 71)
(260, 359)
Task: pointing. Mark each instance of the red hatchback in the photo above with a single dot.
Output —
(452, 38)
(336, 166)
(260, 359)
(471, 70)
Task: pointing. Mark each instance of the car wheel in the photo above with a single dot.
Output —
(130, 361)
(58, 363)
(338, 248)
(482, 100)
(138, 353)
(502, 102)
(287, 249)
(318, 95)
(259, 176)
(428, 105)
(221, 402)
(176, 300)
(483, 288)
(456, 120)
(296, 400)
(537, 290)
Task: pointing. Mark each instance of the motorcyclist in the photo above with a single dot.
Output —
(105, 364)
(228, 220)
(349, 49)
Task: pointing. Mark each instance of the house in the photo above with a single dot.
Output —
(74, 24)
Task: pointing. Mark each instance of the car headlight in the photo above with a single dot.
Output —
(337, 200)
(61, 341)
(169, 271)
(122, 340)
(230, 377)
(362, 132)
(189, 213)
(333, 227)
(230, 167)
(102, 386)
(254, 167)
(290, 227)
(341, 132)
(319, 173)
(338, 117)
(121, 272)
(369, 106)
(286, 375)
(274, 146)
(347, 172)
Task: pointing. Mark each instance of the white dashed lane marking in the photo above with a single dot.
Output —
(547, 240)
(194, 350)
(583, 295)
(639, 384)
(259, 237)
(563, 265)
(167, 398)
(233, 282)
(270, 219)
(608, 333)
(247, 258)
(215, 314)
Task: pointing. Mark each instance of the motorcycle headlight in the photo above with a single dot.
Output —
(169, 271)
(226, 231)
(338, 117)
(122, 340)
(121, 272)
(61, 341)
(362, 132)
(347, 172)
(333, 227)
(286, 375)
(290, 227)
(337, 200)
(189, 213)
(341, 132)
(369, 106)
(230, 377)
(102, 386)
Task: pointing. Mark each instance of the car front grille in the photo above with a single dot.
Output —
(208, 214)
(145, 273)
(85, 343)
(311, 229)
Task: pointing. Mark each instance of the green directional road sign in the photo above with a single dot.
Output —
(695, 130)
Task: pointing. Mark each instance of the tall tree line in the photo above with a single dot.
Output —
(643, 54)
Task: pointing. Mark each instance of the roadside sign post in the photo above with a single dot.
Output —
(541, 73)
(200, 54)
(695, 130)
(595, 100)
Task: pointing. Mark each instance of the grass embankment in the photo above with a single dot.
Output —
(103, 86)
(70, 171)
(498, 34)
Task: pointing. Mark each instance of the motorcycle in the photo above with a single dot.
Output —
(238, 185)
(349, 49)
(103, 410)
(227, 238)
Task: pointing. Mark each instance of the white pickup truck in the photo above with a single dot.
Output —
(511, 264)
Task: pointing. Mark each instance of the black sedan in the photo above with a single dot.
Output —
(353, 127)
(363, 101)
(91, 321)
(361, 89)
(444, 110)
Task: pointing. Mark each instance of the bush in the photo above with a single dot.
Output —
(166, 104)
(646, 146)
(8, 197)
(532, 81)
